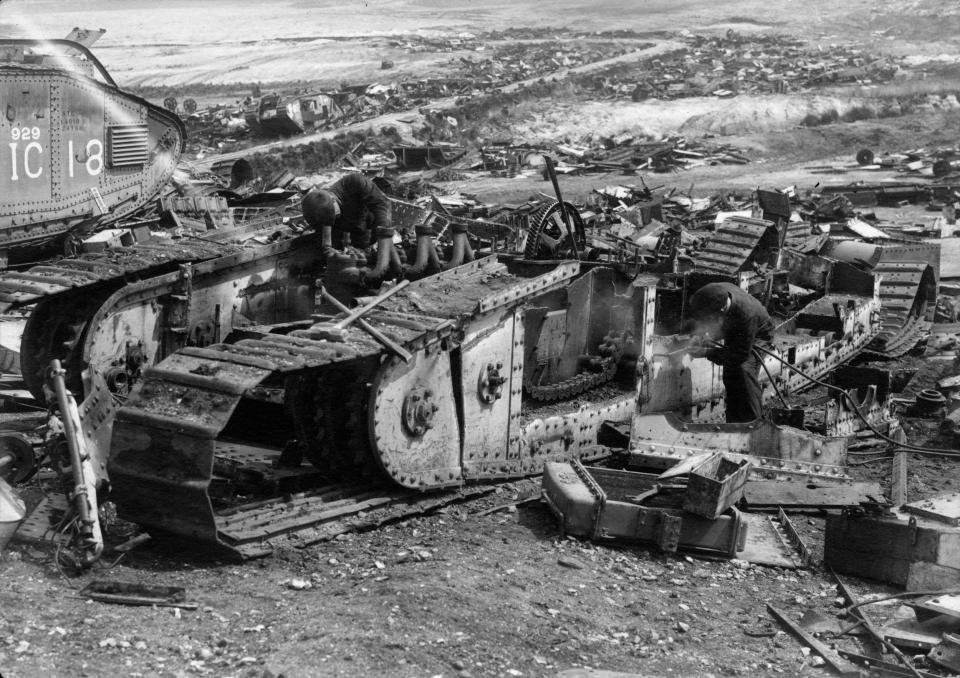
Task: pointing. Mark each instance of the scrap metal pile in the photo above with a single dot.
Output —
(228, 127)
(205, 383)
(742, 64)
(623, 153)
(220, 343)
(707, 66)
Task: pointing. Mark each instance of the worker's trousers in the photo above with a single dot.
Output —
(744, 398)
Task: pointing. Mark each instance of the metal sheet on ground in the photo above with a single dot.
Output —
(39, 527)
(946, 604)
(765, 546)
(925, 635)
(809, 494)
(945, 508)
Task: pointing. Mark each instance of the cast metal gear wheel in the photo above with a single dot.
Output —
(56, 329)
(547, 237)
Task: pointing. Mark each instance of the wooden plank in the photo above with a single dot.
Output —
(898, 479)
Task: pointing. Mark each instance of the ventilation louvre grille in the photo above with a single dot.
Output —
(127, 145)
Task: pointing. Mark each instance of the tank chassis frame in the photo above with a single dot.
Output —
(450, 417)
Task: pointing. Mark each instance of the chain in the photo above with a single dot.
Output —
(611, 350)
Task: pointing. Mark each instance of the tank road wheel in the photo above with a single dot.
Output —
(56, 329)
(547, 236)
(413, 421)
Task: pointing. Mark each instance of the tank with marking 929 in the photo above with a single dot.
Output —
(76, 150)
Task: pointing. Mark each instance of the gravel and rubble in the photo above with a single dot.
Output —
(457, 593)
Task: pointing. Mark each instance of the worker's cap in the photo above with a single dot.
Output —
(319, 208)
(708, 300)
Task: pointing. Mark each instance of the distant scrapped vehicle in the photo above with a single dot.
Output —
(287, 116)
(77, 151)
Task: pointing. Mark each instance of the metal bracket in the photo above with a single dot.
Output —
(600, 497)
(794, 538)
(668, 538)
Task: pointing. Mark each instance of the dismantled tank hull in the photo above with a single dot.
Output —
(662, 440)
(77, 150)
(909, 275)
(441, 408)
(825, 334)
(120, 309)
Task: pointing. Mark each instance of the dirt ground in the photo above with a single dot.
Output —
(466, 590)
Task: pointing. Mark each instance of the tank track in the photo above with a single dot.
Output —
(115, 266)
(69, 292)
(903, 305)
(736, 244)
(169, 434)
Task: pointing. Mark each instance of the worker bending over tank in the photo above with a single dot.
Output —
(723, 312)
(352, 212)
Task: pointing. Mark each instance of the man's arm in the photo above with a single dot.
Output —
(740, 331)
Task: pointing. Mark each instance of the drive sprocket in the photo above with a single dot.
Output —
(56, 329)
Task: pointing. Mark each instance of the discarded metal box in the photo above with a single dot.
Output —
(605, 504)
(915, 552)
(715, 485)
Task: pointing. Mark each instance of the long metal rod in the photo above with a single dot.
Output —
(84, 493)
(871, 628)
(386, 341)
(551, 171)
(876, 665)
(366, 308)
(839, 664)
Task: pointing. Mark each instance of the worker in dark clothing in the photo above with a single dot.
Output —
(353, 211)
(349, 212)
(723, 311)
